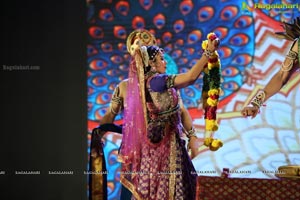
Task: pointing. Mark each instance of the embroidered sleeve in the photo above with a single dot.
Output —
(161, 82)
(116, 102)
(170, 81)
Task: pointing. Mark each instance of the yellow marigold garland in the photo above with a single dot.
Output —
(210, 95)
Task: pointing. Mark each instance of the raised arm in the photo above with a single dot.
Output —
(188, 78)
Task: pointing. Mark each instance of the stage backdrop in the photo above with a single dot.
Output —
(250, 54)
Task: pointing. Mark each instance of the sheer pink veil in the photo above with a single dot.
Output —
(134, 119)
(134, 125)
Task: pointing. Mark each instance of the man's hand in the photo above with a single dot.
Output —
(250, 111)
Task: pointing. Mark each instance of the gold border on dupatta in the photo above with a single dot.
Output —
(129, 185)
(172, 166)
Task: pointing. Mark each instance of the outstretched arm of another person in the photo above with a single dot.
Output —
(283, 75)
(289, 66)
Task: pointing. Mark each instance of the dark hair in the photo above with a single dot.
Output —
(152, 51)
(292, 30)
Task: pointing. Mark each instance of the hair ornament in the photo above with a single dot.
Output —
(145, 55)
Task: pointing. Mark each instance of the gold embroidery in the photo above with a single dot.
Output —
(116, 102)
(97, 179)
(130, 187)
(172, 165)
(170, 81)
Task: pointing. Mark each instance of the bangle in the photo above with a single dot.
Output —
(112, 110)
(259, 99)
(191, 133)
(208, 53)
(292, 56)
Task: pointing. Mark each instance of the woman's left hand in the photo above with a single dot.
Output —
(193, 145)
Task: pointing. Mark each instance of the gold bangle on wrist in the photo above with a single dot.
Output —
(191, 133)
(208, 53)
(259, 99)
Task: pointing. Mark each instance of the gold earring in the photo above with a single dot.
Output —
(153, 69)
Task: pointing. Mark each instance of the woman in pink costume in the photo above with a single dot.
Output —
(155, 163)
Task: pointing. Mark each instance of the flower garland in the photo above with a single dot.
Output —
(210, 95)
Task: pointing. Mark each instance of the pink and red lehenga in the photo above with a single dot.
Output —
(155, 162)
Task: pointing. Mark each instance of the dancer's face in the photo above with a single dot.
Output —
(160, 63)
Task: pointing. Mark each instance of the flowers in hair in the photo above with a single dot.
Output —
(145, 55)
(210, 94)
